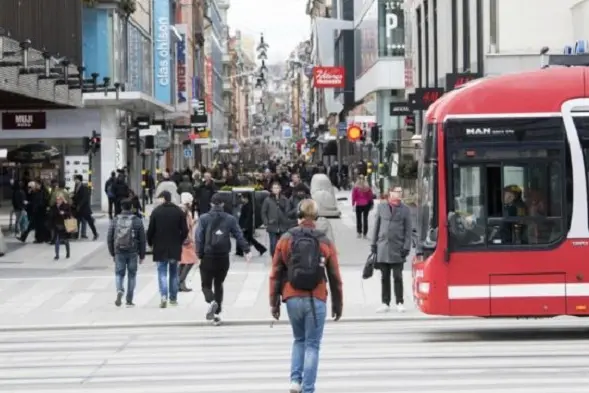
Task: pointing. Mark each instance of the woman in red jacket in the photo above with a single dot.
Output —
(362, 201)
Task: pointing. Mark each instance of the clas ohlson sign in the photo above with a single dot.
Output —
(161, 51)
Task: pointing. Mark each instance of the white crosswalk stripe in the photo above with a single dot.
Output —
(243, 290)
(426, 356)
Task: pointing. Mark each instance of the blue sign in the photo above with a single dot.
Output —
(286, 132)
(161, 51)
(342, 129)
(188, 152)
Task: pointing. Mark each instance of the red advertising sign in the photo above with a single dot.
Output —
(326, 77)
(209, 84)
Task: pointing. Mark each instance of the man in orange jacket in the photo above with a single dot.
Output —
(304, 263)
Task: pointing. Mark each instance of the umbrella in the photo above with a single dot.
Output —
(34, 152)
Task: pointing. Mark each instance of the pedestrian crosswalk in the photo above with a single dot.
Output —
(246, 291)
(420, 356)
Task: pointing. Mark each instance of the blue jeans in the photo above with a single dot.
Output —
(307, 331)
(126, 263)
(61, 239)
(274, 237)
(167, 271)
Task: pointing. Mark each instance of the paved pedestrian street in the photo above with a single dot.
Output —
(426, 356)
(89, 300)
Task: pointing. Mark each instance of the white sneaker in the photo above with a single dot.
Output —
(384, 308)
(217, 320)
(295, 387)
(400, 308)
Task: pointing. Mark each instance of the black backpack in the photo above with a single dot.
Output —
(218, 237)
(306, 268)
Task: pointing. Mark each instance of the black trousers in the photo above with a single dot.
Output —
(111, 205)
(362, 219)
(89, 220)
(213, 271)
(249, 237)
(183, 272)
(397, 272)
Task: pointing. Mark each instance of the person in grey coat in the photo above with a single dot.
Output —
(274, 214)
(391, 242)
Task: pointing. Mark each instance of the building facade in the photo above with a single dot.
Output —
(215, 47)
(486, 37)
(379, 31)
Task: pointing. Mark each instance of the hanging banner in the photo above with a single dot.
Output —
(181, 71)
(391, 28)
(161, 51)
(209, 84)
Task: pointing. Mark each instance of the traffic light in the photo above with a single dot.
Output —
(374, 134)
(94, 142)
(149, 142)
(410, 124)
(133, 138)
(86, 144)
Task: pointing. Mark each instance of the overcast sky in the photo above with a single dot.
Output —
(283, 22)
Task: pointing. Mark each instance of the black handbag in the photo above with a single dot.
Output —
(368, 270)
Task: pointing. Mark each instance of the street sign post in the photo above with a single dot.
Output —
(162, 140)
(188, 152)
(342, 129)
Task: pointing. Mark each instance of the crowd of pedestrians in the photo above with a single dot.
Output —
(191, 226)
(53, 213)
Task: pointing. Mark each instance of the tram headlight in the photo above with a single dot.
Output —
(423, 287)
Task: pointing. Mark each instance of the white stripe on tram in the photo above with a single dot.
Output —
(463, 292)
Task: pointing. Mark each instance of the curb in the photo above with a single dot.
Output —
(199, 323)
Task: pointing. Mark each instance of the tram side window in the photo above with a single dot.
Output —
(509, 204)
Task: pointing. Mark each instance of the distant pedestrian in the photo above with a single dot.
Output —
(126, 244)
(275, 209)
(304, 263)
(213, 239)
(166, 233)
(363, 202)
(246, 223)
(391, 242)
(189, 257)
(59, 213)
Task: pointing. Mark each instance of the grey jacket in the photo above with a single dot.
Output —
(275, 214)
(392, 232)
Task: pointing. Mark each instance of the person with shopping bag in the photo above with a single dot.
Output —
(188, 258)
(63, 224)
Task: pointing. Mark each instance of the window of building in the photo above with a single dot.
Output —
(510, 192)
(418, 16)
(493, 30)
(466, 36)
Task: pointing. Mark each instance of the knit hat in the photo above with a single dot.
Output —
(186, 198)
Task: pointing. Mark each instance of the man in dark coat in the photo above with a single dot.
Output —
(120, 190)
(82, 210)
(166, 233)
(205, 192)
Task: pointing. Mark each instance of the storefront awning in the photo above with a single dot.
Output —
(135, 101)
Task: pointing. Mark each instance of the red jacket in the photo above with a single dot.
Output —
(280, 287)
